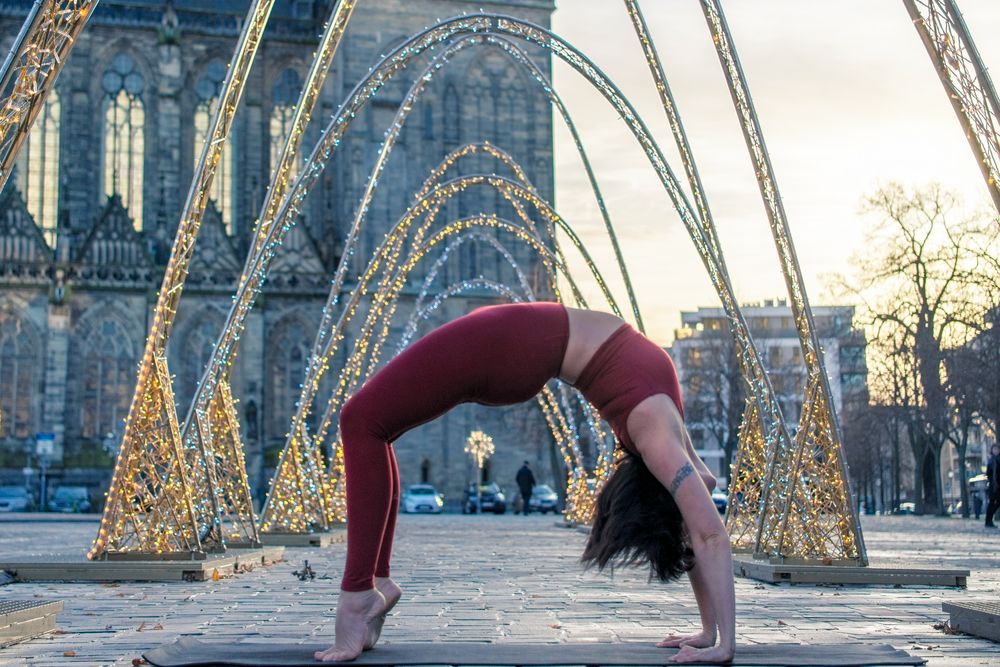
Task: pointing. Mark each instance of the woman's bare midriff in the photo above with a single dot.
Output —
(587, 330)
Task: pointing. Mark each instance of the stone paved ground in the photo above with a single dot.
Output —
(505, 578)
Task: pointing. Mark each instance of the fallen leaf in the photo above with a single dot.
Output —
(781, 622)
(555, 625)
(69, 654)
(138, 661)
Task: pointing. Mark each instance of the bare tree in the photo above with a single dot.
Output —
(921, 278)
(890, 415)
(714, 392)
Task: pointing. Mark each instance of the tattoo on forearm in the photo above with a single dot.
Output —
(681, 475)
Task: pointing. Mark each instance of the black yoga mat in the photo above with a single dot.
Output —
(190, 652)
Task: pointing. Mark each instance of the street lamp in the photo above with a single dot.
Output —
(480, 447)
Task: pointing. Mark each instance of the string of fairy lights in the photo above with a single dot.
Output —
(182, 487)
(152, 498)
(380, 312)
(37, 55)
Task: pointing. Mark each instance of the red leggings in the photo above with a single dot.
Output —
(498, 355)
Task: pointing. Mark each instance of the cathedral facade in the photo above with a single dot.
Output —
(87, 222)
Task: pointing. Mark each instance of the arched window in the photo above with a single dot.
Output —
(470, 259)
(19, 365)
(108, 373)
(124, 134)
(196, 351)
(428, 121)
(38, 172)
(289, 352)
(284, 96)
(452, 118)
(208, 89)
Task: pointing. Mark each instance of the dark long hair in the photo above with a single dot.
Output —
(637, 521)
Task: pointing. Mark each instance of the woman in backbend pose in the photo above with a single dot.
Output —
(655, 507)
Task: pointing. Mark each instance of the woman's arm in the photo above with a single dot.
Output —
(663, 450)
(706, 610)
(703, 471)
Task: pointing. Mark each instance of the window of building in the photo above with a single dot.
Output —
(452, 118)
(196, 352)
(284, 96)
(288, 354)
(108, 375)
(428, 121)
(209, 89)
(852, 356)
(124, 134)
(19, 365)
(797, 356)
(774, 356)
(470, 259)
(38, 168)
(852, 380)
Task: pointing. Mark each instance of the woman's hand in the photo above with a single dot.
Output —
(702, 639)
(715, 654)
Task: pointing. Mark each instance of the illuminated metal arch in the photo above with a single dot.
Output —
(301, 453)
(392, 133)
(256, 269)
(39, 52)
(966, 80)
(300, 469)
(430, 204)
(765, 407)
(383, 307)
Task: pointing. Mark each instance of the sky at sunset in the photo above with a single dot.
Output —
(847, 99)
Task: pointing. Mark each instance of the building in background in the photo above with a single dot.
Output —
(710, 377)
(88, 221)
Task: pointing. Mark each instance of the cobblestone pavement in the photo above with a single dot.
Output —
(505, 578)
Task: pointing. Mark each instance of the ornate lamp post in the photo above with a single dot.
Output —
(480, 447)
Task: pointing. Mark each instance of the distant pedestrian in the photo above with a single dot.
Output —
(993, 485)
(526, 483)
(977, 502)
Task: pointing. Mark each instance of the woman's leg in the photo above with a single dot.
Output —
(385, 548)
(496, 356)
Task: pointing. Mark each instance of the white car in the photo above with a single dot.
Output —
(14, 499)
(543, 499)
(422, 498)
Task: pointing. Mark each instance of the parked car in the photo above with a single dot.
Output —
(721, 500)
(543, 499)
(493, 496)
(14, 499)
(907, 508)
(422, 498)
(70, 499)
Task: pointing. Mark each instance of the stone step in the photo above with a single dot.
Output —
(980, 618)
(25, 619)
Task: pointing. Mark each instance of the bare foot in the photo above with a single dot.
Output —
(355, 610)
(391, 591)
